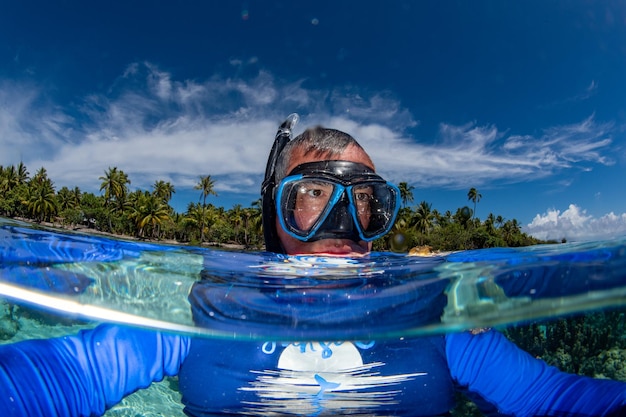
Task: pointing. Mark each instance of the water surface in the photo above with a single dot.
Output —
(243, 295)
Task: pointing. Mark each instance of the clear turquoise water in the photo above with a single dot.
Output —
(148, 285)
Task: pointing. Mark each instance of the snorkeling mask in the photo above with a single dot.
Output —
(325, 199)
(336, 200)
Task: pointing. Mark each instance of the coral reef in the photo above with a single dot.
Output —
(593, 344)
(573, 344)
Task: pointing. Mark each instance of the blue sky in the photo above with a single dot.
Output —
(523, 100)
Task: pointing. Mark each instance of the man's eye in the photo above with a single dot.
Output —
(311, 192)
(314, 192)
(363, 197)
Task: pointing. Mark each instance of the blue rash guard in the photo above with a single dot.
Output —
(87, 373)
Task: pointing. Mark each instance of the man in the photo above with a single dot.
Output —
(339, 235)
(321, 196)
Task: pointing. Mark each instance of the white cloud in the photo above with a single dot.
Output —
(29, 126)
(574, 224)
(153, 126)
(483, 154)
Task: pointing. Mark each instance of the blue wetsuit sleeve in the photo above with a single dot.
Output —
(514, 383)
(87, 373)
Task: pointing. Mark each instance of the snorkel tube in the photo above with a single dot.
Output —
(283, 136)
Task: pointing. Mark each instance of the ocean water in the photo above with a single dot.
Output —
(54, 283)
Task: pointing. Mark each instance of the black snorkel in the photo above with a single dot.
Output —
(283, 136)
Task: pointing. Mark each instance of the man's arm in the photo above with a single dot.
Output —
(513, 382)
(87, 373)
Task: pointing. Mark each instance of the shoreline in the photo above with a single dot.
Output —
(90, 231)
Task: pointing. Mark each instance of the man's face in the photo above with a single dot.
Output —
(337, 247)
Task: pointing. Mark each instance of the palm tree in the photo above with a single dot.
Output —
(41, 200)
(206, 185)
(40, 176)
(76, 196)
(4, 181)
(236, 217)
(475, 197)
(109, 184)
(490, 223)
(406, 193)
(192, 218)
(510, 230)
(149, 211)
(64, 198)
(256, 217)
(9, 178)
(499, 220)
(163, 190)
(114, 184)
(68, 202)
(463, 215)
(424, 217)
(438, 218)
(22, 173)
(248, 214)
(199, 217)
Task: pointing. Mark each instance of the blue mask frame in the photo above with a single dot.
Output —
(339, 219)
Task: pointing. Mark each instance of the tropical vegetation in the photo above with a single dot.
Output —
(424, 226)
(147, 214)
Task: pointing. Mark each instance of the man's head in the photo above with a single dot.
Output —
(328, 199)
(320, 144)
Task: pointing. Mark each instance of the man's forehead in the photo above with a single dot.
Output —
(351, 153)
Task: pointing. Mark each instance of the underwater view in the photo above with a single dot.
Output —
(562, 303)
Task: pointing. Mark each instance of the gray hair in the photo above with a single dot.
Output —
(318, 141)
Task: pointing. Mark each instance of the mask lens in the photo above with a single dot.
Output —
(375, 207)
(304, 203)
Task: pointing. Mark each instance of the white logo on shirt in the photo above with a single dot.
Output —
(323, 378)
